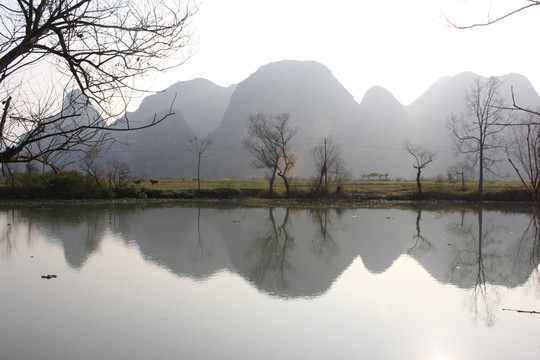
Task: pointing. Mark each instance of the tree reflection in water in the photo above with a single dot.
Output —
(473, 260)
(324, 246)
(269, 253)
(201, 251)
(16, 227)
(6, 243)
(286, 251)
(484, 258)
(527, 257)
(529, 246)
(421, 244)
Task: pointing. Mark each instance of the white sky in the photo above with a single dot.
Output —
(402, 45)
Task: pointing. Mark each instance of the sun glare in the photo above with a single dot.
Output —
(440, 356)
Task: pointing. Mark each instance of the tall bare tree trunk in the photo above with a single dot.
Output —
(199, 172)
(418, 183)
(325, 169)
(481, 176)
(272, 179)
(287, 192)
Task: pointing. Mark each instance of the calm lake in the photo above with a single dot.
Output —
(165, 282)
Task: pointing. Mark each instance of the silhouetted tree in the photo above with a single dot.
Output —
(476, 133)
(524, 156)
(92, 164)
(462, 168)
(95, 51)
(328, 163)
(199, 147)
(118, 173)
(531, 184)
(268, 139)
(422, 157)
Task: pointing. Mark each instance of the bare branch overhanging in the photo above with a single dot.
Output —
(532, 3)
(100, 47)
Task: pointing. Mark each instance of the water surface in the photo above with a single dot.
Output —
(182, 283)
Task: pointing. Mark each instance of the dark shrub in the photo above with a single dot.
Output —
(69, 185)
(222, 193)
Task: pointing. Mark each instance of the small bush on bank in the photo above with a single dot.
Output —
(221, 193)
(72, 185)
(126, 191)
(66, 185)
(269, 195)
(508, 195)
(298, 193)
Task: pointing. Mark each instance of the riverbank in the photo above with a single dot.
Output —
(74, 187)
(330, 202)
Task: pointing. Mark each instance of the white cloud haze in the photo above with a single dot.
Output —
(402, 45)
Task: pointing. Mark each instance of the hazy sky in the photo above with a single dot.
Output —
(402, 45)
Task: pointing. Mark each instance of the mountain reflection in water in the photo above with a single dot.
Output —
(155, 281)
(293, 253)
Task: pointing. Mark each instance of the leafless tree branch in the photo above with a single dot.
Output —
(491, 21)
(96, 52)
(422, 157)
(268, 140)
(199, 146)
(476, 132)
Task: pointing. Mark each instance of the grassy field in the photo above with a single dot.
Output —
(73, 185)
(76, 186)
(367, 189)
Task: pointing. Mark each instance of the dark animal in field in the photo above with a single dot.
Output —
(154, 182)
(137, 181)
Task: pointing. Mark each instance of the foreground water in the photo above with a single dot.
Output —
(184, 283)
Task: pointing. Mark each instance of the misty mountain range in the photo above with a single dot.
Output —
(370, 133)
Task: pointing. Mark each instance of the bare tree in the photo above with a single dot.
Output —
(199, 147)
(524, 156)
(92, 164)
(526, 160)
(100, 49)
(422, 158)
(268, 140)
(260, 144)
(118, 173)
(477, 132)
(328, 162)
(462, 168)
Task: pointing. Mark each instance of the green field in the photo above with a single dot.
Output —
(372, 189)
(73, 185)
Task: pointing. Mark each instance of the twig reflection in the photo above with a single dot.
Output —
(201, 251)
(6, 240)
(421, 244)
(270, 254)
(324, 246)
(473, 260)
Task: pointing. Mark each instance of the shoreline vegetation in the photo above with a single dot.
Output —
(76, 187)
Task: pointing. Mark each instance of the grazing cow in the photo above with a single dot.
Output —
(154, 182)
(137, 181)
